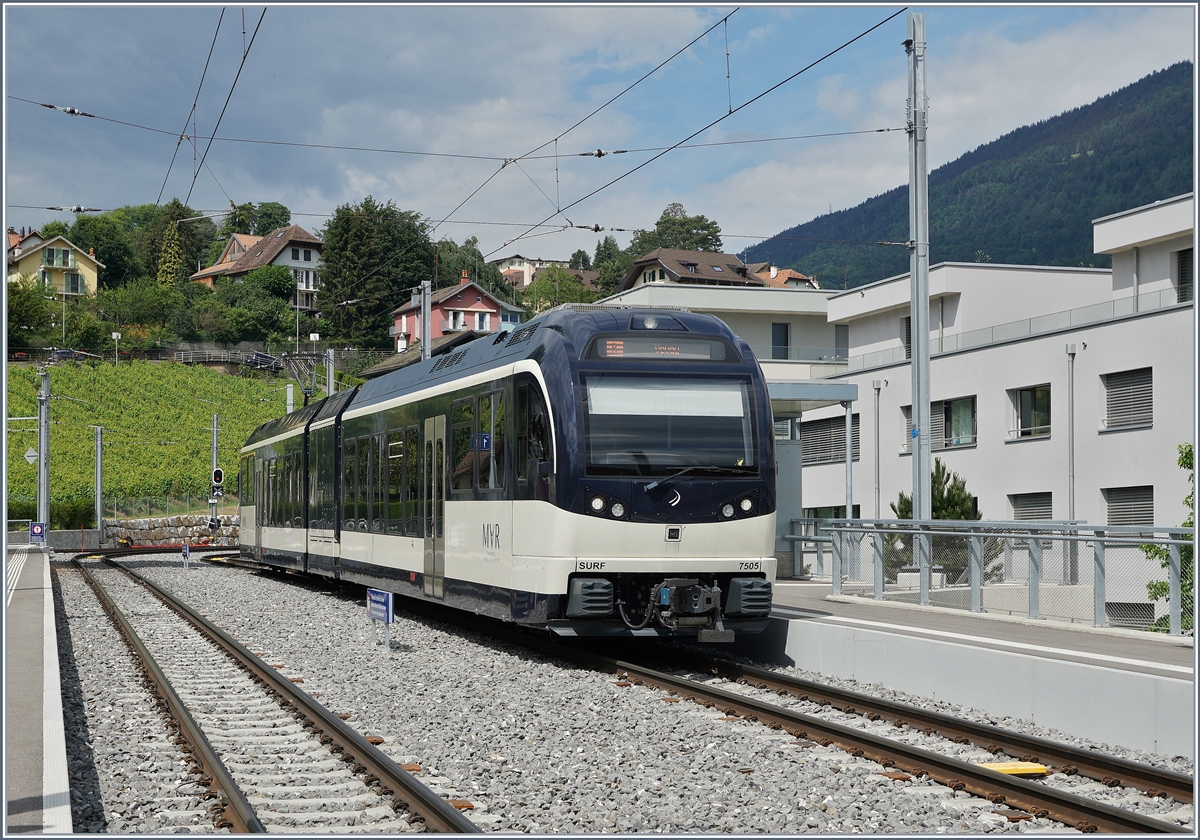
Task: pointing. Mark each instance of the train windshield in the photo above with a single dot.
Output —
(644, 426)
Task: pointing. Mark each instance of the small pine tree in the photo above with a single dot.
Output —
(949, 499)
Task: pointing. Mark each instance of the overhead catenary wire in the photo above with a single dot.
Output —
(191, 114)
(593, 153)
(232, 87)
(720, 119)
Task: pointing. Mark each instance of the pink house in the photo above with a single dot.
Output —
(466, 306)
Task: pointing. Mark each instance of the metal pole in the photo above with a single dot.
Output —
(1035, 576)
(330, 384)
(1100, 614)
(876, 384)
(1174, 597)
(878, 540)
(291, 399)
(918, 209)
(212, 504)
(925, 572)
(836, 545)
(100, 482)
(975, 543)
(426, 327)
(849, 459)
(1073, 550)
(43, 488)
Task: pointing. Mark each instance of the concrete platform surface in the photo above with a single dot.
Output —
(36, 795)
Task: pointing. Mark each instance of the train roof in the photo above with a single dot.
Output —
(326, 407)
(570, 323)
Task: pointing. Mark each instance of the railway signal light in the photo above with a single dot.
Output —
(218, 476)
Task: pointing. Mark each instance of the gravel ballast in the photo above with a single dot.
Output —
(535, 745)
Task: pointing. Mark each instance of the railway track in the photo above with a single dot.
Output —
(1010, 793)
(272, 758)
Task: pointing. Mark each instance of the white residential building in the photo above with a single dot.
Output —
(1016, 351)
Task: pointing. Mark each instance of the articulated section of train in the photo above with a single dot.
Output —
(600, 471)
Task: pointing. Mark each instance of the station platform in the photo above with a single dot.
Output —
(36, 795)
(1117, 686)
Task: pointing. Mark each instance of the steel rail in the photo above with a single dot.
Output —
(439, 815)
(1080, 812)
(236, 811)
(1110, 770)
(1039, 800)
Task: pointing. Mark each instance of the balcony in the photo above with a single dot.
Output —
(1084, 315)
(811, 355)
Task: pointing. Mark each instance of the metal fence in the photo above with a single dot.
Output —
(1106, 576)
(153, 507)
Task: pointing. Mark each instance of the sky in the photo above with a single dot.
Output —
(492, 98)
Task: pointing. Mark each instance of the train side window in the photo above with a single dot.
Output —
(412, 482)
(533, 432)
(429, 479)
(382, 482)
(363, 487)
(289, 488)
(462, 453)
(491, 441)
(439, 511)
(395, 481)
(349, 468)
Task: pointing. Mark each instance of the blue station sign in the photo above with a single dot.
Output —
(379, 605)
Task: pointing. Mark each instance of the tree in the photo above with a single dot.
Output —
(1160, 590)
(373, 255)
(554, 286)
(149, 225)
(108, 234)
(271, 215)
(581, 260)
(170, 259)
(606, 249)
(949, 499)
(676, 229)
(55, 228)
(29, 312)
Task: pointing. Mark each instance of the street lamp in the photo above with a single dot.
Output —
(116, 348)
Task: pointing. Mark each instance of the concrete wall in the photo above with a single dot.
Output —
(1124, 708)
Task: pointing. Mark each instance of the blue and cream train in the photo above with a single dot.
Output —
(600, 471)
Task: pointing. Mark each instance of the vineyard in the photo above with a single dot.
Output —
(157, 421)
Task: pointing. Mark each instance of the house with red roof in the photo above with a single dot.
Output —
(466, 306)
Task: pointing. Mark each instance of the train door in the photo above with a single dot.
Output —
(435, 505)
(260, 506)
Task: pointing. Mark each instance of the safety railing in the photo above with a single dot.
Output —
(1095, 313)
(1134, 576)
(825, 355)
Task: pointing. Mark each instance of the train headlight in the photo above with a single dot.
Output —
(597, 504)
(727, 510)
(746, 504)
(617, 510)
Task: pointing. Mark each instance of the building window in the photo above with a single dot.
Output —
(307, 255)
(1129, 398)
(1032, 410)
(783, 429)
(717, 268)
(1130, 505)
(952, 423)
(72, 283)
(906, 335)
(295, 253)
(841, 341)
(662, 274)
(1183, 263)
(824, 441)
(1031, 506)
(779, 341)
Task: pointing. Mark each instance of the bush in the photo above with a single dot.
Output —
(64, 516)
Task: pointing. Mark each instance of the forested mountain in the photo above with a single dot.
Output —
(1028, 198)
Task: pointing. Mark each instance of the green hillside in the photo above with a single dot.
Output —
(1027, 198)
(157, 428)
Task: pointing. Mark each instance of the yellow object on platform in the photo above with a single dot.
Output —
(1017, 768)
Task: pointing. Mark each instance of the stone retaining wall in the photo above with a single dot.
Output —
(167, 530)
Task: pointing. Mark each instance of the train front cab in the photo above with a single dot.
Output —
(665, 489)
